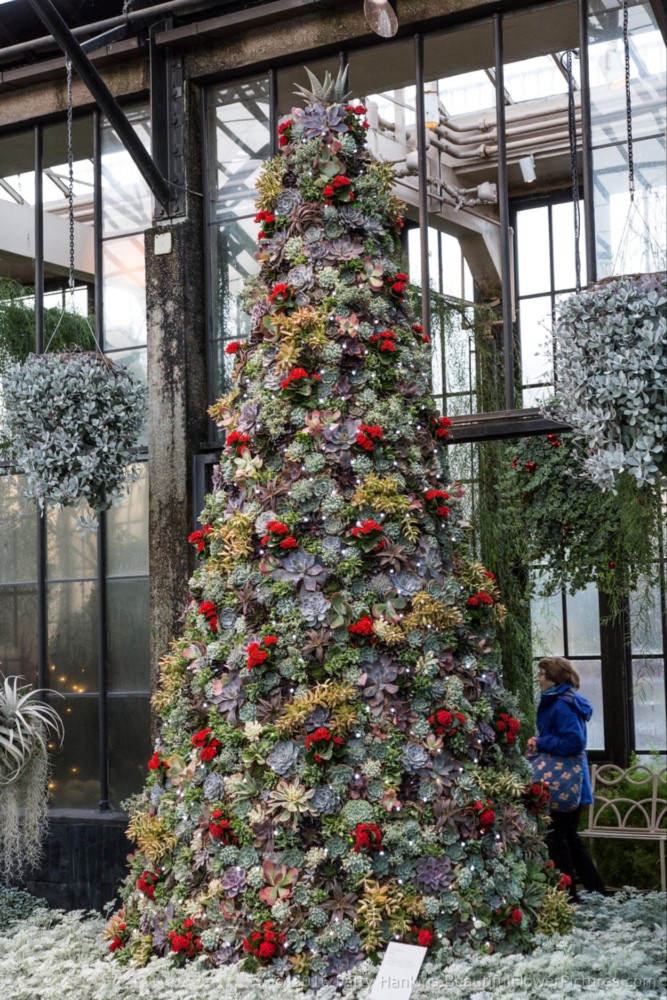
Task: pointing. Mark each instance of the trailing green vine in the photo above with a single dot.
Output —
(568, 525)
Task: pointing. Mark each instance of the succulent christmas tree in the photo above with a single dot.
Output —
(337, 765)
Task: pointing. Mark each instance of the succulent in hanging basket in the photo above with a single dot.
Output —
(611, 360)
(72, 420)
(26, 726)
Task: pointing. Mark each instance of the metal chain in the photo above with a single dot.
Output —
(70, 169)
(572, 132)
(628, 102)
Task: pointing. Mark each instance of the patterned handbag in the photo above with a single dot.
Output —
(564, 776)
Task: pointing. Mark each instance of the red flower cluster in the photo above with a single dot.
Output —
(537, 797)
(208, 610)
(530, 467)
(282, 295)
(221, 829)
(284, 132)
(233, 347)
(397, 284)
(419, 329)
(198, 538)
(367, 534)
(434, 499)
(355, 109)
(265, 944)
(386, 339)
(206, 743)
(508, 727)
(446, 723)
(553, 441)
(256, 654)
(278, 537)
(185, 943)
(295, 375)
(442, 425)
(120, 940)
(368, 436)
(322, 744)
(363, 627)
(146, 883)
(154, 763)
(341, 187)
(366, 837)
(485, 814)
(481, 597)
(425, 937)
(267, 218)
(235, 439)
(564, 882)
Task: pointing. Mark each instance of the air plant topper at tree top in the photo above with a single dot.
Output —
(332, 706)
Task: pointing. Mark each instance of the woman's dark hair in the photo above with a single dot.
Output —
(559, 670)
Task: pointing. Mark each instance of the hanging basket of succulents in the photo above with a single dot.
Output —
(71, 421)
(26, 727)
(611, 358)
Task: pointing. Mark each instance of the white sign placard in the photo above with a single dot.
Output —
(398, 973)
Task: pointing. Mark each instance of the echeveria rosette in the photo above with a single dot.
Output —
(331, 654)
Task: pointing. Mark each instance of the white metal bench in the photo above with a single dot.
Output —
(621, 818)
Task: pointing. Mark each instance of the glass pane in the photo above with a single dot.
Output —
(137, 362)
(129, 652)
(238, 123)
(72, 637)
(536, 343)
(590, 674)
(547, 624)
(532, 227)
(18, 632)
(630, 236)
(127, 204)
(70, 554)
(562, 221)
(18, 533)
(127, 530)
(646, 621)
(124, 270)
(127, 761)
(232, 260)
(583, 623)
(648, 681)
(75, 778)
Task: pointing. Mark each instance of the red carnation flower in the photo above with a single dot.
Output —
(425, 938)
(154, 762)
(233, 347)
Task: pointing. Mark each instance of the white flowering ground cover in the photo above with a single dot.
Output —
(616, 951)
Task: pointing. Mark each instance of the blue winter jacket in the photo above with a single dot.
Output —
(561, 722)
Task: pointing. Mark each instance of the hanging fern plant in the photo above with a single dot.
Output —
(72, 420)
(26, 724)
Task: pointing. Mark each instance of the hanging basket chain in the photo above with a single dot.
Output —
(628, 101)
(572, 131)
(70, 180)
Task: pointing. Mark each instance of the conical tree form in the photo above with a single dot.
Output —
(337, 765)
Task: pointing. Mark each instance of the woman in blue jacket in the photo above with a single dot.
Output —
(561, 723)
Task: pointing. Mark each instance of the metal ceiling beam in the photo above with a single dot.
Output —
(105, 100)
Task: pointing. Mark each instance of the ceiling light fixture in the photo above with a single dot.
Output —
(527, 167)
(380, 17)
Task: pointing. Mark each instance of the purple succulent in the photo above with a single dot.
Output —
(302, 567)
(378, 681)
(287, 202)
(341, 437)
(344, 249)
(228, 694)
(415, 759)
(320, 122)
(234, 881)
(434, 874)
(301, 278)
